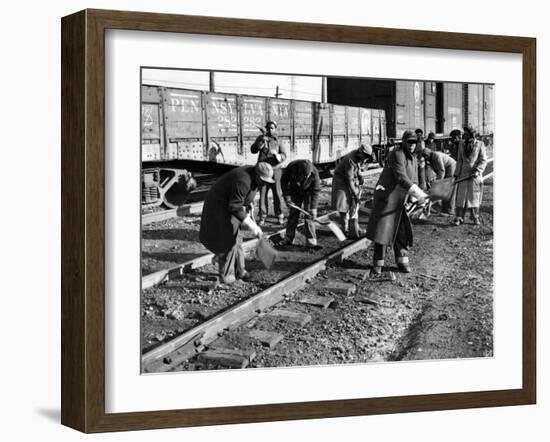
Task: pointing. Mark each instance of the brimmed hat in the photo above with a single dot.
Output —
(264, 171)
(365, 149)
(409, 136)
(469, 128)
(271, 122)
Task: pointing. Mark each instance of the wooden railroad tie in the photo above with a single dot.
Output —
(267, 338)
(336, 287)
(288, 315)
(320, 301)
(361, 274)
(227, 357)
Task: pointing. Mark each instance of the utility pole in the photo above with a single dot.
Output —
(277, 93)
(212, 83)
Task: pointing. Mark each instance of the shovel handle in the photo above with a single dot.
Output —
(306, 213)
(463, 179)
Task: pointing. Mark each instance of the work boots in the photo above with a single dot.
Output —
(355, 232)
(403, 264)
(459, 217)
(475, 216)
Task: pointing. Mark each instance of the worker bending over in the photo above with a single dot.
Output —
(301, 187)
(226, 209)
(346, 188)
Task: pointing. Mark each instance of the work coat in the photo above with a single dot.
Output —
(469, 193)
(267, 146)
(301, 182)
(224, 208)
(442, 164)
(346, 182)
(390, 194)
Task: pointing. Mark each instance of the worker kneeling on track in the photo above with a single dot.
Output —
(225, 211)
(389, 224)
(301, 186)
(346, 188)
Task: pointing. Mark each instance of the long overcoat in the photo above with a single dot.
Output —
(225, 208)
(469, 193)
(398, 175)
(346, 180)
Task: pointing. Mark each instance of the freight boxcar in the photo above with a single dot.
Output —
(200, 130)
(431, 106)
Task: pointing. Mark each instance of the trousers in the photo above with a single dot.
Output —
(276, 192)
(231, 264)
(400, 248)
(294, 219)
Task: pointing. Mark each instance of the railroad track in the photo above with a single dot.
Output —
(161, 276)
(195, 342)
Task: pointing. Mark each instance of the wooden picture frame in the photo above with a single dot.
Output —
(83, 220)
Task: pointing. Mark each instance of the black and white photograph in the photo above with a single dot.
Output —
(292, 220)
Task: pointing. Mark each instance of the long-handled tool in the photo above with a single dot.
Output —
(333, 227)
(440, 190)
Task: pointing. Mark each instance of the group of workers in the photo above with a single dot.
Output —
(410, 168)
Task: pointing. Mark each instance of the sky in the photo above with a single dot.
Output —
(290, 86)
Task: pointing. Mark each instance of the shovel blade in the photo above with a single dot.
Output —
(266, 253)
(337, 231)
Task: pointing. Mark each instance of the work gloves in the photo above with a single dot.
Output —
(416, 194)
(251, 225)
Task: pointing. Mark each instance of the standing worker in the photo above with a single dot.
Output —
(301, 186)
(225, 211)
(470, 164)
(346, 188)
(271, 151)
(456, 138)
(389, 224)
(443, 166)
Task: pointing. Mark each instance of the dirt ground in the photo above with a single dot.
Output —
(442, 310)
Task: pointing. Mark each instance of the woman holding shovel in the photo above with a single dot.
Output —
(346, 188)
(389, 224)
(470, 164)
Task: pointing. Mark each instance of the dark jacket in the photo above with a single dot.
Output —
(267, 146)
(301, 182)
(399, 174)
(225, 208)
